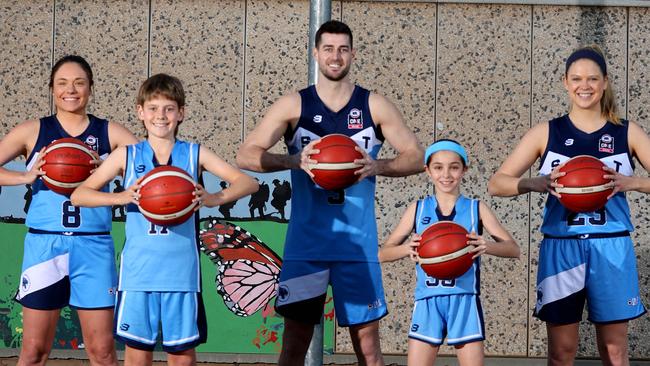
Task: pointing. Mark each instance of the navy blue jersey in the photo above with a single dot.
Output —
(465, 214)
(609, 144)
(159, 258)
(51, 211)
(333, 225)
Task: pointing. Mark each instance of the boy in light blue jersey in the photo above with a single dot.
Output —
(448, 309)
(161, 286)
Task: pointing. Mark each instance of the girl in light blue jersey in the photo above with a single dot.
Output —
(159, 285)
(448, 309)
(584, 257)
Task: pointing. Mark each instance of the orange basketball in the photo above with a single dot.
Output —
(166, 195)
(335, 165)
(67, 164)
(584, 186)
(443, 250)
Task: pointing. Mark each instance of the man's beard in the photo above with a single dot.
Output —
(340, 77)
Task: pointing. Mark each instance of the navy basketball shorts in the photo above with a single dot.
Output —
(600, 271)
(357, 290)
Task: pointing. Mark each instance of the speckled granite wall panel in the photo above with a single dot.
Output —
(639, 112)
(202, 44)
(483, 102)
(557, 31)
(395, 45)
(26, 49)
(112, 36)
(276, 61)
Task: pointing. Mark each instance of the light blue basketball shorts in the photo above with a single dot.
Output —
(459, 318)
(357, 290)
(60, 270)
(601, 271)
(140, 315)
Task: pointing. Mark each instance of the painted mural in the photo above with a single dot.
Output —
(242, 244)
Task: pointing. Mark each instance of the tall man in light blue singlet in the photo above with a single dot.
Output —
(332, 235)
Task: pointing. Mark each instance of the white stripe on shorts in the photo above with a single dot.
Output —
(43, 275)
(561, 285)
(304, 287)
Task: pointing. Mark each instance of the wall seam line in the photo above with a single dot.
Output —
(530, 196)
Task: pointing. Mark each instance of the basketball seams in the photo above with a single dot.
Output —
(167, 173)
(445, 258)
(149, 203)
(334, 166)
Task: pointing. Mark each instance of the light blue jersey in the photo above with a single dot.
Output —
(159, 258)
(333, 225)
(53, 212)
(466, 214)
(609, 144)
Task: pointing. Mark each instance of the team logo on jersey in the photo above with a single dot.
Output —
(139, 169)
(568, 142)
(91, 141)
(606, 144)
(355, 119)
(318, 118)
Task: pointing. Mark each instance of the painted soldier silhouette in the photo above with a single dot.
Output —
(258, 200)
(281, 194)
(225, 208)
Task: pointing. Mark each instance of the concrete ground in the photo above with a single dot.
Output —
(75, 358)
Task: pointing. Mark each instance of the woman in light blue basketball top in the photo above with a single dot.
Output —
(448, 309)
(584, 257)
(69, 256)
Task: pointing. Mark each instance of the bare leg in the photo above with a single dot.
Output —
(137, 357)
(365, 340)
(562, 343)
(183, 358)
(97, 329)
(421, 353)
(612, 343)
(470, 354)
(39, 328)
(295, 342)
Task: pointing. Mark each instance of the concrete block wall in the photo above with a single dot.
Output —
(479, 73)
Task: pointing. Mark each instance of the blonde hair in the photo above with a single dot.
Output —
(608, 107)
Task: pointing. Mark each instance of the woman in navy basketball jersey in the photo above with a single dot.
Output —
(584, 257)
(63, 239)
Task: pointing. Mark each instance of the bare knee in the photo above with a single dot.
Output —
(33, 353)
(365, 340)
(562, 354)
(102, 354)
(614, 354)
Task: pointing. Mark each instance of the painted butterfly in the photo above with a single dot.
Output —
(247, 269)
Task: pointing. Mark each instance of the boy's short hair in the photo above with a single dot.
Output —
(334, 27)
(161, 85)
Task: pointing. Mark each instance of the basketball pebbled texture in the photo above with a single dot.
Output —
(335, 165)
(584, 189)
(443, 250)
(67, 164)
(166, 195)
